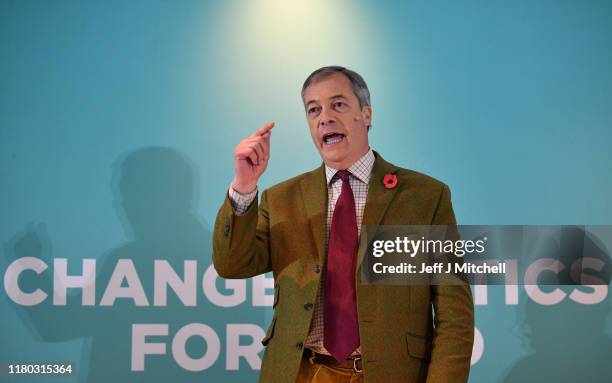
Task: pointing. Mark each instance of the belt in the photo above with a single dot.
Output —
(354, 362)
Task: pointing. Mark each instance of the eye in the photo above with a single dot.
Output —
(313, 109)
(340, 105)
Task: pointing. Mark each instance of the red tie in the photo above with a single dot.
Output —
(341, 330)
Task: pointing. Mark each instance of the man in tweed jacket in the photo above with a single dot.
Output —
(400, 338)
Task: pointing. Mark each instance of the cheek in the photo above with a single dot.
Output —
(358, 133)
(358, 138)
(313, 135)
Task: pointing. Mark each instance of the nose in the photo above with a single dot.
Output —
(326, 118)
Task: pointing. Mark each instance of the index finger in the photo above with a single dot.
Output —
(266, 128)
(266, 139)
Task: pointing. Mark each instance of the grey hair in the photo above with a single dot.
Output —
(357, 82)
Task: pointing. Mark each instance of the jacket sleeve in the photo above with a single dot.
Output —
(241, 242)
(453, 336)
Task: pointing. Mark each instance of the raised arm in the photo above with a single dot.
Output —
(241, 235)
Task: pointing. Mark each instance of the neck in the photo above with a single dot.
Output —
(347, 162)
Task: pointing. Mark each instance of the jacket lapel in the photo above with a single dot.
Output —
(314, 197)
(378, 200)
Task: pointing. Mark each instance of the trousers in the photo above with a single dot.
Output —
(321, 373)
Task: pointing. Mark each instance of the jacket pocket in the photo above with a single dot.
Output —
(418, 346)
(270, 332)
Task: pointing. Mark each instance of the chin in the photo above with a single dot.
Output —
(331, 155)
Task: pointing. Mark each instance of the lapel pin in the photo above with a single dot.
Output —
(390, 181)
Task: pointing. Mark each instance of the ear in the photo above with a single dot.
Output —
(366, 116)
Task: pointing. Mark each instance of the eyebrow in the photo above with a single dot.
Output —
(331, 98)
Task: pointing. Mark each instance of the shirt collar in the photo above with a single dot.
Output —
(361, 169)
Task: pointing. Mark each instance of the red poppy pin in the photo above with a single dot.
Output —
(390, 181)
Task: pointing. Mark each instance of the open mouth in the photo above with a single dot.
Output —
(333, 138)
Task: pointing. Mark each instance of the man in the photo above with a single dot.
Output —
(327, 325)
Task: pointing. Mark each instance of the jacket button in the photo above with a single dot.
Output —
(317, 269)
(307, 306)
(226, 229)
(299, 345)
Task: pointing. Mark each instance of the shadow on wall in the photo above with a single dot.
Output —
(155, 192)
(567, 341)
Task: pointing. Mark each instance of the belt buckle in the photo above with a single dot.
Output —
(355, 364)
(312, 356)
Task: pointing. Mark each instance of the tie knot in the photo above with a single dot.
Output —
(343, 175)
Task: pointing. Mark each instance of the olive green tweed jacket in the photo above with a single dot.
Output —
(401, 341)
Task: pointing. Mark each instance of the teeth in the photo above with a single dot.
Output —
(333, 139)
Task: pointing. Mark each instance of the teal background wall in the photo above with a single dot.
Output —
(118, 121)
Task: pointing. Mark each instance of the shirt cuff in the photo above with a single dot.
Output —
(241, 201)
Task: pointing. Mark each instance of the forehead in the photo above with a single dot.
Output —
(329, 86)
